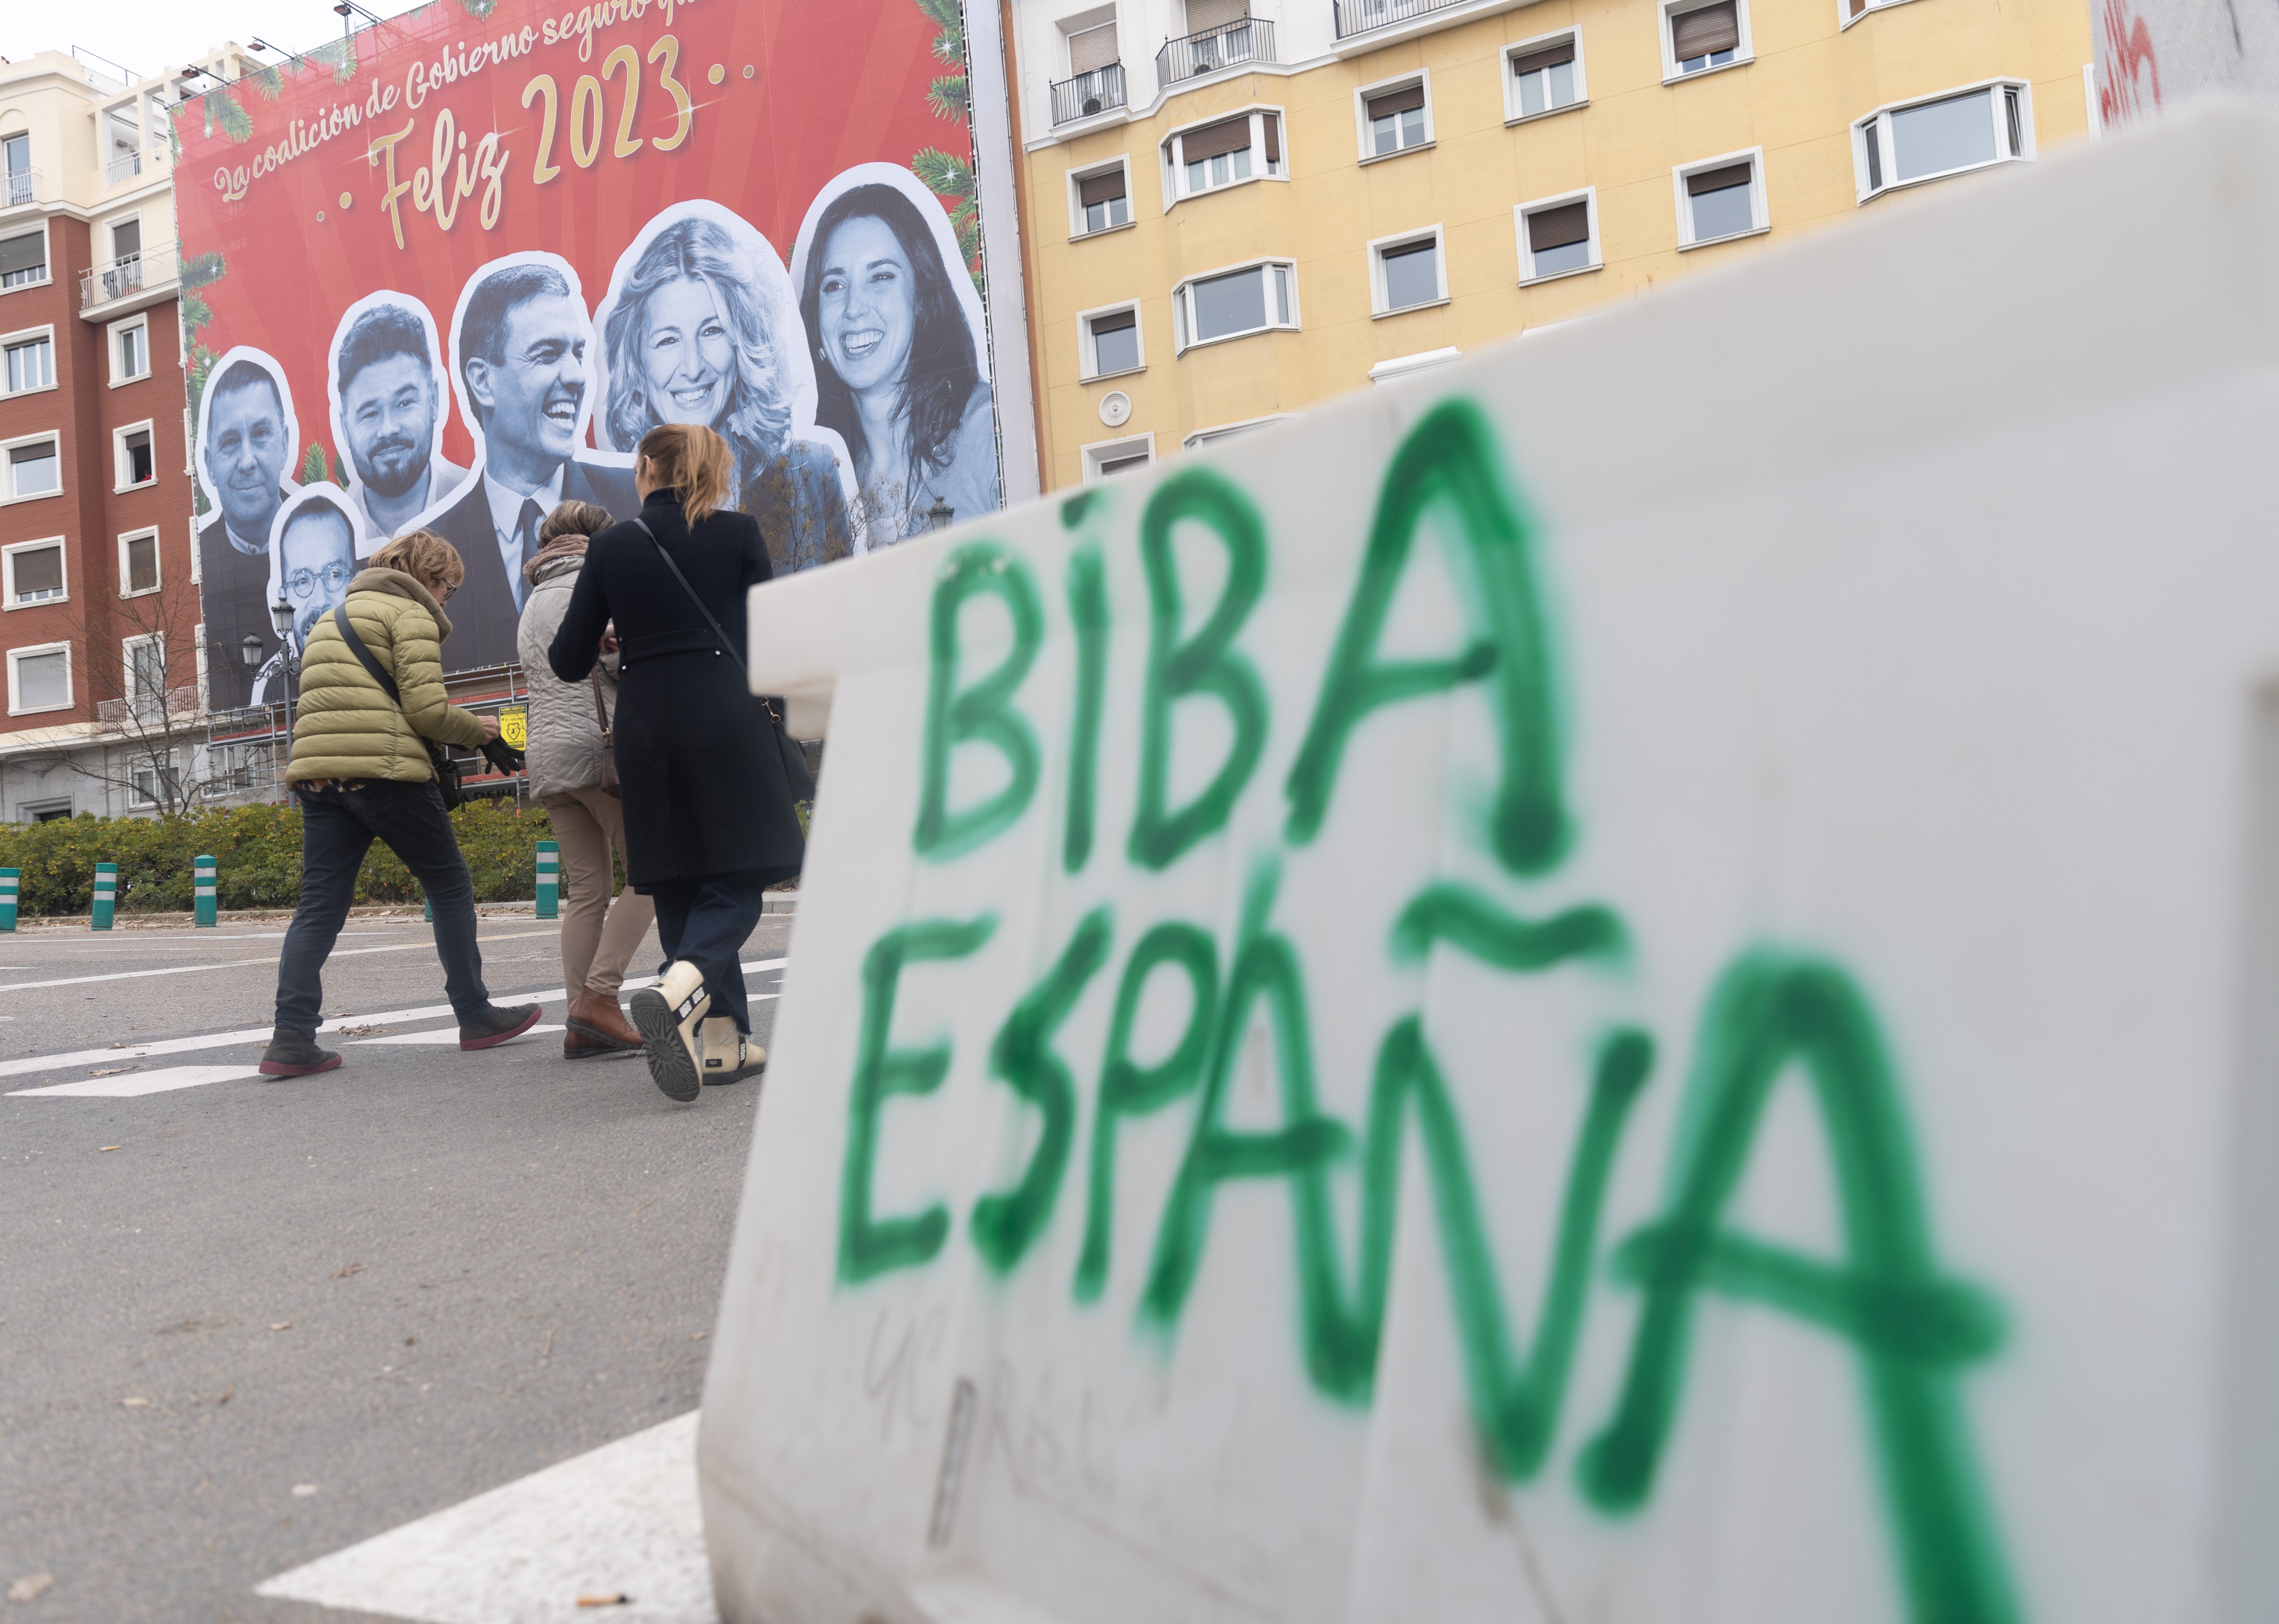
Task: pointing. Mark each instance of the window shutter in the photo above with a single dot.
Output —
(42, 681)
(1115, 322)
(39, 571)
(27, 252)
(1227, 135)
(1094, 190)
(1274, 136)
(1094, 47)
(1535, 62)
(1717, 180)
(1409, 98)
(142, 563)
(126, 239)
(1712, 28)
(1552, 228)
(1202, 14)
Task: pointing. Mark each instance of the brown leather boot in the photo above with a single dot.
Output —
(597, 1026)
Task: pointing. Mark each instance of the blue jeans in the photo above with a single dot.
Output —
(337, 827)
(707, 921)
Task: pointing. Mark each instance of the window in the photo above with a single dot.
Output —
(130, 350)
(1102, 201)
(126, 239)
(1946, 135)
(143, 659)
(133, 456)
(138, 563)
(1406, 273)
(1720, 198)
(1091, 50)
(24, 258)
(39, 679)
(1234, 303)
(34, 572)
(1696, 38)
(1544, 79)
(1850, 11)
(145, 779)
(1558, 236)
(15, 170)
(1243, 148)
(34, 470)
(29, 363)
(1394, 119)
(1111, 342)
(1228, 431)
(1115, 456)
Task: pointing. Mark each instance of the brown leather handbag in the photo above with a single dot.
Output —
(609, 742)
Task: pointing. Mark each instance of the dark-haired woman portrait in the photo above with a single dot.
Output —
(692, 337)
(896, 373)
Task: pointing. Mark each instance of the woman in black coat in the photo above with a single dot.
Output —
(709, 818)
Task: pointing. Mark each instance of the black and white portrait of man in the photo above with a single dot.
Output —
(248, 439)
(314, 541)
(389, 406)
(522, 365)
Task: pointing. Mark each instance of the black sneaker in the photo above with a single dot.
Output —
(496, 1024)
(295, 1054)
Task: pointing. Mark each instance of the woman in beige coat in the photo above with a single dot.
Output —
(569, 755)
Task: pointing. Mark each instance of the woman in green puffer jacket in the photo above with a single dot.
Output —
(359, 769)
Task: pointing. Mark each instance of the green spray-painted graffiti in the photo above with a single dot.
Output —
(1911, 1327)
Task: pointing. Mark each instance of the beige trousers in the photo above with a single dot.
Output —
(599, 938)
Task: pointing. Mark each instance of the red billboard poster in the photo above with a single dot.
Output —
(444, 273)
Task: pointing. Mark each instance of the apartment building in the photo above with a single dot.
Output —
(1234, 208)
(99, 615)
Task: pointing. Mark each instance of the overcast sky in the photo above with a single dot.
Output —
(146, 36)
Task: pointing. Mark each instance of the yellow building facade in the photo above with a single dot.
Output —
(1290, 199)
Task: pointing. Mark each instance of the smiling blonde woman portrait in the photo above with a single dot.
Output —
(694, 334)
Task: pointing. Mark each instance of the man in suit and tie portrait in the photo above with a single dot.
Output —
(521, 345)
(388, 407)
(247, 435)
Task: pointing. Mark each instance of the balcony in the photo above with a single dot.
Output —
(123, 166)
(19, 187)
(1250, 39)
(150, 272)
(1088, 94)
(1362, 16)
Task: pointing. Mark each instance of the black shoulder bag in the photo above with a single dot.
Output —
(447, 770)
(793, 758)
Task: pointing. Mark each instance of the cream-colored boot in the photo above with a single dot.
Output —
(728, 1056)
(668, 1014)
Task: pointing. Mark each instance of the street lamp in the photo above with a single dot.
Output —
(281, 615)
(249, 651)
(940, 514)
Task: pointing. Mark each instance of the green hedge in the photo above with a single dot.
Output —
(257, 852)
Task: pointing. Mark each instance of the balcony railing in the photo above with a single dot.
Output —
(1360, 16)
(123, 279)
(126, 166)
(1087, 94)
(19, 187)
(1229, 45)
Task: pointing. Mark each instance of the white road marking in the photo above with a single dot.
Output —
(185, 970)
(441, 1035)
(622, 1519)
(260, 1034)
(157, 1082)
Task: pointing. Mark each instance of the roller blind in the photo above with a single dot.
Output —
(1203, 14)
(42, 681)
(1094, 47)
(1274, 136)
(1115, 323)
(1535, 62)
(1227, 135)
(1717, 180)
(1095, 190)
(40, 570)
(1552, 228)
(1712, 28)
(27, 252)
(1409, 98)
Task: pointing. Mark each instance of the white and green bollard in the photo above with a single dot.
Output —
(549, 879)
(106, 895)
(7, 898)
(205, 904)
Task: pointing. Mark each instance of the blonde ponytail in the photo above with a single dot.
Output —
(694, 463)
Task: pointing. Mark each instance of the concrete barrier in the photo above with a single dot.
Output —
(1630, 983)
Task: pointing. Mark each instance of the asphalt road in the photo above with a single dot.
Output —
(247, 1323)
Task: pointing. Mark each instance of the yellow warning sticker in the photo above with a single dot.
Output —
(514, 727)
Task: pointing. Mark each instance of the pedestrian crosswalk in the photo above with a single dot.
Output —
(132, 1084)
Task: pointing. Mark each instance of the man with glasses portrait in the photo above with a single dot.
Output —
(315, 550)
